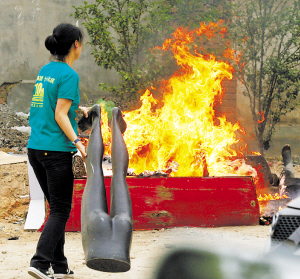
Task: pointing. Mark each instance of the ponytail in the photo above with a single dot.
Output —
(51, 44)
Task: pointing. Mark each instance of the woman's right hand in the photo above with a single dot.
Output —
(81, 149)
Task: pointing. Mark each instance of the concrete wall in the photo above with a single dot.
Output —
(24, 25)
(228, 105)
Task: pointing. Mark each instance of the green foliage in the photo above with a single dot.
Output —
(267, 32)
(166, 16)
(122, 32)
(115, 29)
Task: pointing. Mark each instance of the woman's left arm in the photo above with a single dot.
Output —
(62, 119)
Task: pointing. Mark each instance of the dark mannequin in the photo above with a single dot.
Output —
(106, 239)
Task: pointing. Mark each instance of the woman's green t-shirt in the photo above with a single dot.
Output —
(55, 80)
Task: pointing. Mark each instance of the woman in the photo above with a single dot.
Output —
(52, 143)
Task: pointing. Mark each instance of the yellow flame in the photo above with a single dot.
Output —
(106, 134)
(269, 197)
(255, 153)
(185, 130)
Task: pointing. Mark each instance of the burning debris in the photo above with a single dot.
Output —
(79, 170)
(287, 188)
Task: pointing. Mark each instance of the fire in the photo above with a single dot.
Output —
(263, 117)
(269, 197)
(185, 131)
(84, 141)
(106, 135)
(255, 153)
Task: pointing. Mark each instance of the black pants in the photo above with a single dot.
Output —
(53, 170)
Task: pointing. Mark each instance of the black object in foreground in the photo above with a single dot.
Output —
(13, 238)
(106, 238)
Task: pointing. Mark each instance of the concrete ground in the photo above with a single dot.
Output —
(148, 248)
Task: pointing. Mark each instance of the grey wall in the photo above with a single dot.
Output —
(24, 25)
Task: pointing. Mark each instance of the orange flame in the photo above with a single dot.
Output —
(263, 117)
(231, 54)
(185, 131)
(84, 141)
(105, 129)
(269, 197)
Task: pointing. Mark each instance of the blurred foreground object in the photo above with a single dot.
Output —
(193, 263)
(284, 236)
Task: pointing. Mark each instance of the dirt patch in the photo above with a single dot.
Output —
(146, 250)
(14, 192)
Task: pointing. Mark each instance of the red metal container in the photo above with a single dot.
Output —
(183, 201)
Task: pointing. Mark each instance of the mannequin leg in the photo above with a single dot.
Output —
(106, 238)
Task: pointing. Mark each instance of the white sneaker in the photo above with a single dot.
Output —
(40, 273)
(69, 274)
